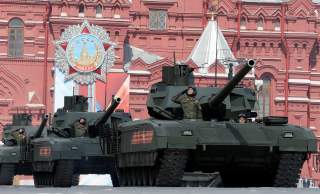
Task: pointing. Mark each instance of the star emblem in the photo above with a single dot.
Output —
(84, 53)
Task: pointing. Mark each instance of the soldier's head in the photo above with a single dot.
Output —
(242, 118)
(21, 131)
(82, 120)
(191, 91)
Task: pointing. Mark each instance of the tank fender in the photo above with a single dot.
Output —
(9, 154)
(177, 137)
(296, 144)
(183, 142)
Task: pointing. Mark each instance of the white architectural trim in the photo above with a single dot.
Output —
(139, 91)
(33, 22)
(91, 19)
(315, 83)
(139, 72)
(221, 75)
(292, 99)
(35, 105)
(298, 99)
(299, 81)
(116, 71)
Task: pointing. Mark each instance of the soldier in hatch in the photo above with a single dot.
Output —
(14, 137)
(242, 118)
(80, 127)
(190, 105)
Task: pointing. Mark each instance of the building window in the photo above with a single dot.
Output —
(243, 23)
(16, 38)
(99, 11)
(64, 10)
(276, 24)
(157, 19)
(117, 36)
(264, 97)
(260, 23)
(81, 10)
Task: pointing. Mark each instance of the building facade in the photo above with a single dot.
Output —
(281, 36)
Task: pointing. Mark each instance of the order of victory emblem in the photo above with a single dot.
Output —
(84, 53)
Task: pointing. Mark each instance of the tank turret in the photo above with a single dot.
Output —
(22, 119)
(75, 103)
(177, 75)
(217, 103)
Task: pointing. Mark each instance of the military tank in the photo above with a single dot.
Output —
(61, 156)
(15, 154)
(160, 150)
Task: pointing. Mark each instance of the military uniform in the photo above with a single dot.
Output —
(80, 130)
(13, 138)
(190, 106)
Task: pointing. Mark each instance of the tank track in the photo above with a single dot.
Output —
(167, 172)
(289, 169)
(43, 179)
(172, 165)
(75, 179)
(63, 175)
(7, 172)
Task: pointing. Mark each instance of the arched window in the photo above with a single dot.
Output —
(243, 23)
(117, 35)
(276, 24)
(260, 23)
(264, 97)
(16, 38)
(99, 10)
(81, 10)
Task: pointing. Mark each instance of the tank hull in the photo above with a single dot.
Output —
(209, 146)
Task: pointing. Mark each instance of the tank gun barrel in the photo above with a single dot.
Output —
(114, 104)
(217, 99)
(41, 127)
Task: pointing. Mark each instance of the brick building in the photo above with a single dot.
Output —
(281, 35)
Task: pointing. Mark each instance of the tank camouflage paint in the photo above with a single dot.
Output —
(160, 150)
(15, 154)
(60, 157)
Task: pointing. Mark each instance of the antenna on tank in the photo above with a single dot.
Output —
(174, 57)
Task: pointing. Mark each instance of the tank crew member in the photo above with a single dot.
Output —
(15, 137)
(190, 105)
(242, 118)
(80, 127)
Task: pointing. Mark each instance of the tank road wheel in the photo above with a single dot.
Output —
(63, 174)
(123, 177)
(43, 179)
(115, 178)
(171, 168)
(145, 176)
(75, 179)
(289, 169)
(135, 176)
(151, 176)
(7, 172)
(139, 176)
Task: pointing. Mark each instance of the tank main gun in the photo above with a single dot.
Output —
(43, 124)
(114, 104)
(220, 96)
